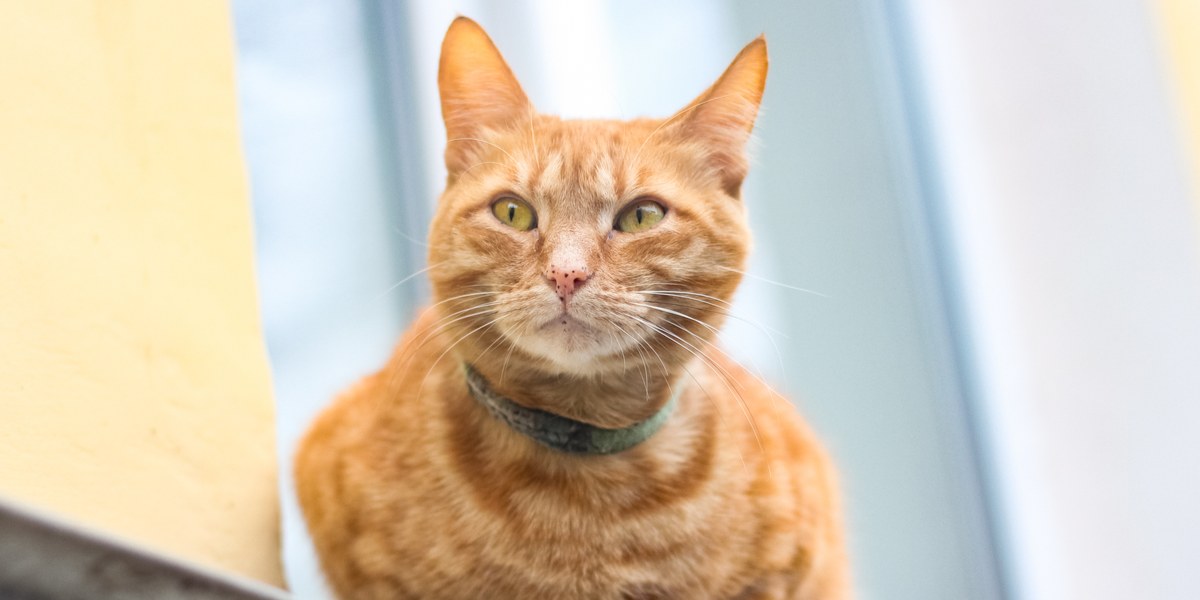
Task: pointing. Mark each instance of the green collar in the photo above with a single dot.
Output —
(560, 433)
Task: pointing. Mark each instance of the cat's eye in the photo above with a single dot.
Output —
(515, 213)
(640, 216)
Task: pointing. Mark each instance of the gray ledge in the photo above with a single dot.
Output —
(46, 558)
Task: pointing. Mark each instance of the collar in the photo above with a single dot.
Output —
(561, 433)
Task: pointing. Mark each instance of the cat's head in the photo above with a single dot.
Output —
(584, 245)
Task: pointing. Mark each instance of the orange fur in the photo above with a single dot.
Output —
(412, 490)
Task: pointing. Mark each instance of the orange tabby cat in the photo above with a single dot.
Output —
(560, 424)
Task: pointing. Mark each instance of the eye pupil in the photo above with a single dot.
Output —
(515, 213)
(640, 216)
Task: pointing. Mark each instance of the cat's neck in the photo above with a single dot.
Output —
(613, 398)
(501, 464)
(562, 433)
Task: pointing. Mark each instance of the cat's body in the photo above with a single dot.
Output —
(566, 303)
(433, 498)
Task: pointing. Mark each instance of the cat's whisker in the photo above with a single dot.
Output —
(500, 337)
(762, 328)
(712, 363)
(460, 297)
(401, 282)
(504, 367)
(716, 332)
(640, 345)
(474, 139)
(537, 158)
(427, 330)
(667, 378)
(772, 282)
(695, 296)
(486, 162)
(720, 413)
(409, 238)
(471, 312)
(679, 314)
(624, 364)
(685, 291)
(776, 396)
(681, 302)
(495, 287)
(446, 320)
(723, 307)
(724, 375)
(431, 330)
(433, 365)
(637, 345)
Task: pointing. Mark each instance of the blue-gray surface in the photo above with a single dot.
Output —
(45, 558)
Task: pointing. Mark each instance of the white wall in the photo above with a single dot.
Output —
(1067, 195)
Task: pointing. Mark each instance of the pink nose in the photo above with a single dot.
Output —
(567, 279)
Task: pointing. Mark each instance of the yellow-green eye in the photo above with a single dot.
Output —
(641, 216)
(515, 213)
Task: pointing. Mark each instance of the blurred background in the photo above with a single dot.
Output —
(980, 221)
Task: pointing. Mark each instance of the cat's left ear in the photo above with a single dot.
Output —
(721, 118)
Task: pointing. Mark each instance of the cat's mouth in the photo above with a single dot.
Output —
(566, 323)
(571, 341)
(587, 335)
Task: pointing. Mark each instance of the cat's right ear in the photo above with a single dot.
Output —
(479, 93)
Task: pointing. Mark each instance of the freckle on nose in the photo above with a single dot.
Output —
(567, 280)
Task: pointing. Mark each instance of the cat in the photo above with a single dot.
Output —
(560, 422)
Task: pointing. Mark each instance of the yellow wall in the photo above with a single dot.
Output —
(134, 390)
(1180, 21)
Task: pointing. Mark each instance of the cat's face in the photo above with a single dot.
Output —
(582, 243)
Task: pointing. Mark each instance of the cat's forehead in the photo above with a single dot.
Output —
(584, 162)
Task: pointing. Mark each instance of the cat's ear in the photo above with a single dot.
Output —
(721, 118)
(479, 92)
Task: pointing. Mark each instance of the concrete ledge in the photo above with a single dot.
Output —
(44, 558)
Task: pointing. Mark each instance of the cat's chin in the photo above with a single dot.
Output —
(570, 344)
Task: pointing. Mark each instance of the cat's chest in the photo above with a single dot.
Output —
(526, 538)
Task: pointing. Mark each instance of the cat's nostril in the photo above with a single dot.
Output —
(566, 281)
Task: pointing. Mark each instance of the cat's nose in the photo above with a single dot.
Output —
(567, 279)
